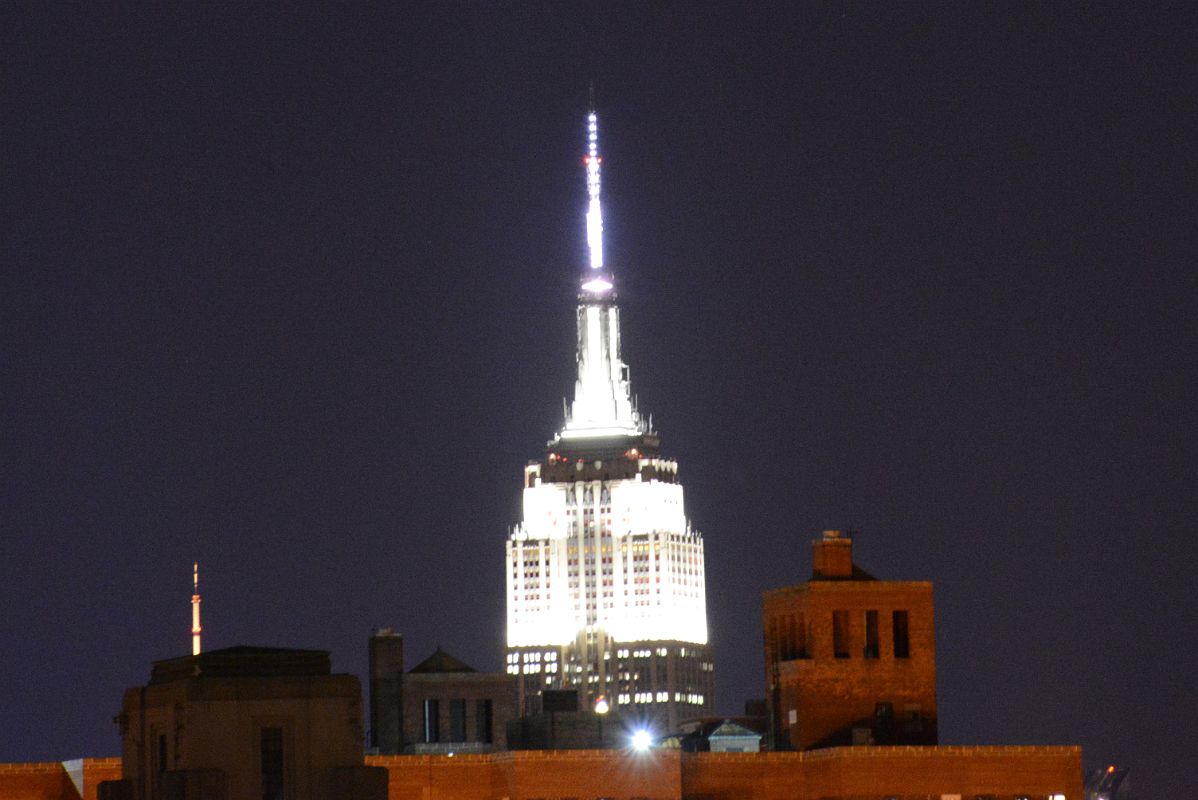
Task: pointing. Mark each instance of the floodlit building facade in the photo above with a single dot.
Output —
(605, 576)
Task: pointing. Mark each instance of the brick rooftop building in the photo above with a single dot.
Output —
(849, 659)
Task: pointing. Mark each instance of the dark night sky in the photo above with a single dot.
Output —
(291, 293)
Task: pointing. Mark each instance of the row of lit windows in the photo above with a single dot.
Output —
(640, 586)
(643, 653)
(534, 669)
(637, 577)
(531, 669)
(530, 657)
(685, 576)
(625, 698)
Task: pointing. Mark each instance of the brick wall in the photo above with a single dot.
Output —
(829, 695)
(45, 781)
(911, 772)
(529, 775)
(857, 773)
(57, 780)
(592, 774)
(842, 773)
(96, 770)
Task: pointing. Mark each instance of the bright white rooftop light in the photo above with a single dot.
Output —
(597, 286)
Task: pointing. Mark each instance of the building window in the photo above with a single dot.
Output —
(871, 634)
(902, 642)
(272, 764)
(457, 720)
(483, 721)
(840, 634)
(432, 721)
(884, 722)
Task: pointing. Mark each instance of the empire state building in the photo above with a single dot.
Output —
(605, 576)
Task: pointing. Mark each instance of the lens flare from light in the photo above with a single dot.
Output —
(641, 740)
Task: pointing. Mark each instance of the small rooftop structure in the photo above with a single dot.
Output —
(440, 662)
(832, 559)
(719, 735)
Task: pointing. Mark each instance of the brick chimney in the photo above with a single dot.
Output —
(832, 555)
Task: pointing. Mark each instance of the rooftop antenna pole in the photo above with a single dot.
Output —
(596, 281)
(195, 609)
(592, 161)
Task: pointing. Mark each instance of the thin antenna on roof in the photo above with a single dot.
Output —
(195, 609)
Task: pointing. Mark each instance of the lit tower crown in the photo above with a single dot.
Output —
(603, 395)
(195, 609)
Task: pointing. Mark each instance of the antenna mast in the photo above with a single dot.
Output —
(195, 609)
(592, 161)
(597, 281)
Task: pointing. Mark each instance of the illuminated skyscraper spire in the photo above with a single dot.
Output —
(603, 395)
(195, 609)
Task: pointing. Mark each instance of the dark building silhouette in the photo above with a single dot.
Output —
(386, 691)
(244, 722)
(442, 705)
(556, 723)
